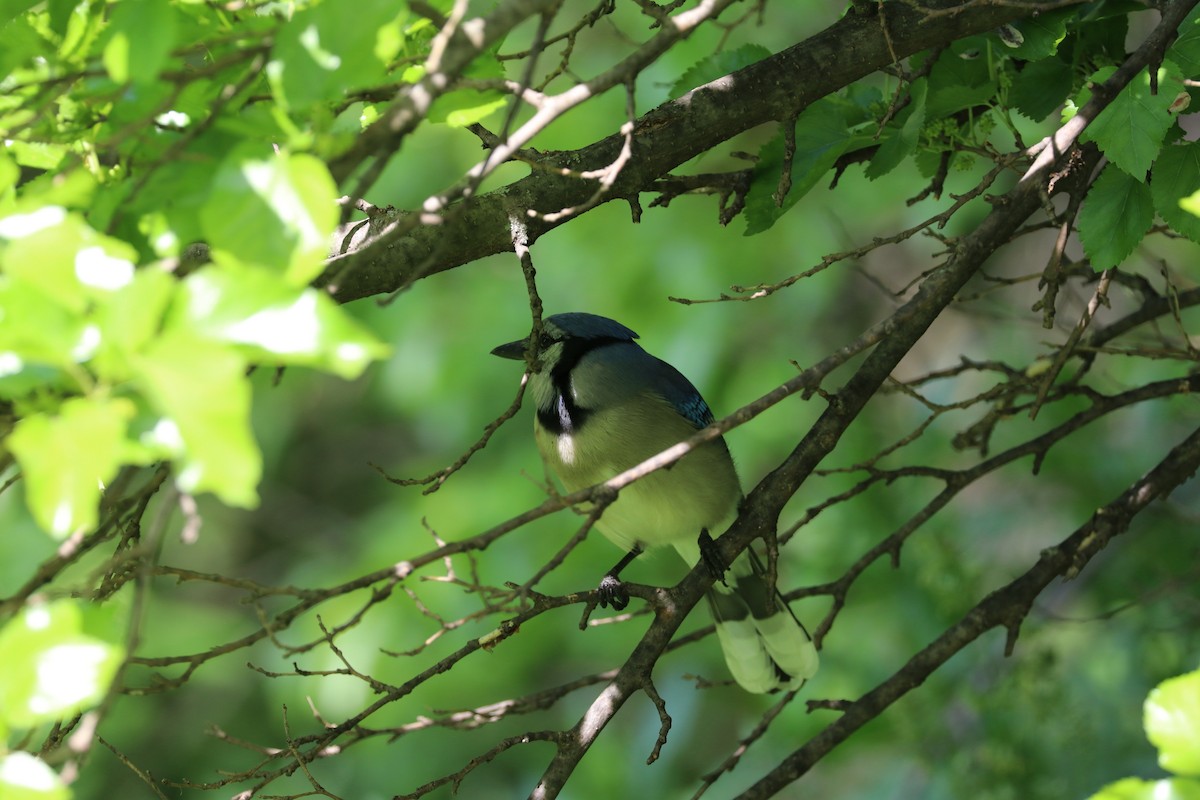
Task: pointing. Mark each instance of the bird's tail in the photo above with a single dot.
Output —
(765, 646)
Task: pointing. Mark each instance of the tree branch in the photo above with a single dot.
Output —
(893, 339)
(462, 44)
(1005, 607)
(772, 89)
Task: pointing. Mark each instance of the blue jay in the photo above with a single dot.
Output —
(603, 405)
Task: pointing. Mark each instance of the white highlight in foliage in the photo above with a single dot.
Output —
(89, 342)
(310, 39)
(351, 352)
(66, 675)
(10, 363)
(26, 771)
(165, 433)
(18, 226)
(173, 119)
(283, 329)
(98, 269)
(63, 519)
(37, 618)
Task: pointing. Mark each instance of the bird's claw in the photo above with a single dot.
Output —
(710, 554)
(612, 593)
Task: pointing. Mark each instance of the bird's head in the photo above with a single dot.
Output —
(565, 338)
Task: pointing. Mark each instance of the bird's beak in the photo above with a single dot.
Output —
(514, 350)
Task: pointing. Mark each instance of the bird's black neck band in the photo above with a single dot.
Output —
(564, 415)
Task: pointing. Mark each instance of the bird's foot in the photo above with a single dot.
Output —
(710, 554)
(612, 592)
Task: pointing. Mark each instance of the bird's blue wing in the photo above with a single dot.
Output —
(680, 393)
(622, 369)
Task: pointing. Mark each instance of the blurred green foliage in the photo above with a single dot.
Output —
(281, 462)
(1172, 720)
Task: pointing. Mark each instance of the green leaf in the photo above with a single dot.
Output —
(319, 57)
(103, 264)
(74, 189)
(1101, 37)
(1191, 203)
(51, 669)
(53, 267)
(9, 173)
(34, 329)
(9, 9)
(1069, 110)
(276, 212)
(861, 103)
(20, 378)
(1043, 34)
(821, 136)
(66, 458)
(1138, 789)
(1040, 88)
(178, 190)
(274, 322)
(954, 69)
(718, 65)
(1132, 128)
(1172, 720)
(200, 388)
(38, 249)
(464, 107)
(141, 35)
(129, 320)
(36, 155)
(1176, 176)
(27, 777)
(903, 141)
(18, 44)
(1115, 216)
(952, 99)
(1185, 50)
(60, 14)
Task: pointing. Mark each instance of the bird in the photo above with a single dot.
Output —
(603, 405)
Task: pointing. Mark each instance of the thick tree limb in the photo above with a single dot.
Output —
(776, 88)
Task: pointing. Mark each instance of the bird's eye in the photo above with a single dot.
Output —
(544, 342)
